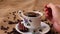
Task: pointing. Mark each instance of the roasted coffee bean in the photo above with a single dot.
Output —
(5, 32)
(14, 12)
(39, 11)
(10, 22)
(20, 12)
(18, 20)
(30, 20)
(7, 27)
(8, 17)
(12, 32)
(9, 13)
(23, 11)
(14, 17)
(40, 30)
(34, 10)
(8, 33)
(21, 20)
(4, 28)
(4, 20)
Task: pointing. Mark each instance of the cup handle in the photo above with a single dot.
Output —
(20, 12)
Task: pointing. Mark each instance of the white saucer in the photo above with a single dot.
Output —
(44, 30)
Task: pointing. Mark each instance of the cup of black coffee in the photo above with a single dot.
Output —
(31, 19)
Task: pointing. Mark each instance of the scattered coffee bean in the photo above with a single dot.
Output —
(40, 30)
(4, 28)
(5, 32)
(30, 20)
(8, 33)
(39, 11)
(4, 20)
(18, 20)
(11, 22)
(21, 20)
(23, 11)
(14, 12)
(9, 13)
(7, 27)
(20, 12)
(14, 17)
(8, 17)
(34, 10)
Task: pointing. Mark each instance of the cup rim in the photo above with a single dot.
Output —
(40, 14)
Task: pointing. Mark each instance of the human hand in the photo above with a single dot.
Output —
(52, 13)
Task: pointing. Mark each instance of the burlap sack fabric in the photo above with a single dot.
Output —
(9, 6)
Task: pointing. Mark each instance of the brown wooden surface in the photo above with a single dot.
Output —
(9, 6)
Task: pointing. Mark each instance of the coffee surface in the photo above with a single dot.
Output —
(31, 14)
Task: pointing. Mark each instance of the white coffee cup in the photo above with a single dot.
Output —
(31, 22)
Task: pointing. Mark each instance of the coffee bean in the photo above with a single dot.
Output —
(20, 12)
(39, 11)
(34, 10)
(8, 33)
(21, 20)
(30, 20)
(8, 17)
(4, 20)
(7, 27)
(5, 32)
(14, 12)
(14, 17)
(3, 28)
(10, 22)
(23, 11)
(18, 20)
(40, 30)
(9, 13)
